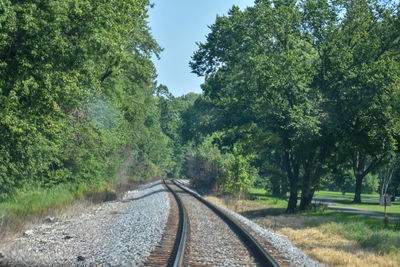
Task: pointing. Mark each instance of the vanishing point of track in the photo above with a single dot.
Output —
(177, 253)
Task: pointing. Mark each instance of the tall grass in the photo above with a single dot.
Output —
(36, 201)
(379, 239)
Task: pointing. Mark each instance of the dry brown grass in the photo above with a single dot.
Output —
(238, 206)
(334, 250)
(320, 244)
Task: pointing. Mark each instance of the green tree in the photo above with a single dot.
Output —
(172, 121)
(239, 175)
(358, 45)
(75, 86)
(259, 68)
(205, 166)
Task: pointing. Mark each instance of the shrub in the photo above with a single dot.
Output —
(205, 166)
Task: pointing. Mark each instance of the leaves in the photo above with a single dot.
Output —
(75, 85)
(321, 76)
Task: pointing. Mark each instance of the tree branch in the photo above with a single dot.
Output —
(106, 75)
(375, 162)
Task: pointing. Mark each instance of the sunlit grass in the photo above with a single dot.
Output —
(347, 195)
(36, 202)
(39, 201)
(334, 238)
(257, 190)
(262, 196)
(394, 209)
(367, 232)
(318, 194)
(332, 249)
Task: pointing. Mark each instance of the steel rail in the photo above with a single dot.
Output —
(176, 257)
(255, 247)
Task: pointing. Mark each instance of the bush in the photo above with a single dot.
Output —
(205, 166)
(239, 175)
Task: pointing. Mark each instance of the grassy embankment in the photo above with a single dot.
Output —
(334, 238)
(40, 201)
(32, 204)
(35, 203)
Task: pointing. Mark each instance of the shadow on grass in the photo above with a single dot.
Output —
(341, 217)
(261, 196)
(258, 195)
(263, 212)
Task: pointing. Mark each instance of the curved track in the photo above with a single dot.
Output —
(252, 245)
(176, 257)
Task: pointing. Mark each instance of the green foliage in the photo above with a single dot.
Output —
(208, 168)
(358, 77)
(205, 166)
(172, 123)
(315, 82)
(347, 183)
(199, 120)
(370, 183)
(76, 90)
(239, 175)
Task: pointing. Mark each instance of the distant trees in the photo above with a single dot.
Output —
(319, 77)
(172, 122)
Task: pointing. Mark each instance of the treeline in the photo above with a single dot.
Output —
(297, 95)
(77, 92)
(306, 92)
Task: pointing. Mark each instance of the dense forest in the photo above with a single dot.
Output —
(297, 96)
(77, 95)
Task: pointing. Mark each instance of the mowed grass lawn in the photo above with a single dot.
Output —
(347, 195)
(260, 195)
(394, 209)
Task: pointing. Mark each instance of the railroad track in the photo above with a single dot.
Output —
(242, 246)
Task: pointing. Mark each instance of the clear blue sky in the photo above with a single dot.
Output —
(177, 25)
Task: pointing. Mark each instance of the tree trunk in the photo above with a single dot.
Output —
(284, 187)
(292, 169)
(311, 180)
(361, 169)
(305, 189)
(306, 199)
(275, 186)
(357, 193)
(310, 183)
(292, 204)
(358, 167)
(307, 192)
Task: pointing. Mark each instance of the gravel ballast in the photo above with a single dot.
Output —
(118, 233)
(295, 255)
(211, 241)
